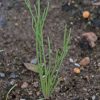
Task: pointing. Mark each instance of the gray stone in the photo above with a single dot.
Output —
(22, 99)
(2, 75)
(93, 97)
(34, 61)
(3, 22)
(13, 75)
(36, 84)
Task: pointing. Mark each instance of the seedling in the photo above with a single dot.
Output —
(48, 72)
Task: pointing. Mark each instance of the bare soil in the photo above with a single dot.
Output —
(18, 46)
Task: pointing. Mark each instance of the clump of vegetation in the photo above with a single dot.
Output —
(48, 72)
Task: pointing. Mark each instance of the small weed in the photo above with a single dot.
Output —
(48, 72)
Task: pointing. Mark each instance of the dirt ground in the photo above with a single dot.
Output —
(17, 46)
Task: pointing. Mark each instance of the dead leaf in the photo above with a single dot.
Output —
(31, 67)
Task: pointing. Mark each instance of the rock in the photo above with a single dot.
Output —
(57, 89)
(36, 84)
(16, 24)
(90, 37)
(76, 98)
(3, 22)
(13, 75)
(71, 60)
(98, 64)
(93, 97)
(38, 93)
(96, 3)
(76, 70)
(86, 14)
(12, 82)
(30, 92)
(24, 85)
(1, 4)
(1, 51)
(22, 99)
(85, 61)
(34, 61)
(77, 65)
(2, 75)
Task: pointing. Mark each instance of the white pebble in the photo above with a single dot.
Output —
(93, 97)
(71, 60)
(34, 61)
(77, 65)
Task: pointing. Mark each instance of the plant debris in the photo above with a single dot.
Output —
(31, 67)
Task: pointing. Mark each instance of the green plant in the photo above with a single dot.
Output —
(48, 72)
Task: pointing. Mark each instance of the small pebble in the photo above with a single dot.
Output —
(16, 24)
(71, 60)
(30, 92)
(3, 22)
(24, 85)
(84, 89)
(38, 93)
(57, 89)
(76, 98)
(35, 84)
(1, 51)
(12, 82)
(22, 99)
(86, 14)
(71, 23)
(92, 76)
(2, 75)
(76, 70)
(34, 61)
(93, 97)
(77, 65)
(85, 61)
(13, 75)
(98, 64)
(0, 4)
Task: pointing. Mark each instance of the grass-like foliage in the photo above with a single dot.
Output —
(48, 72)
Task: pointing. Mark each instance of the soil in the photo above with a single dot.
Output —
(17, 46)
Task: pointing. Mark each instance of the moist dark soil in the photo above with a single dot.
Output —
(17, 46)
